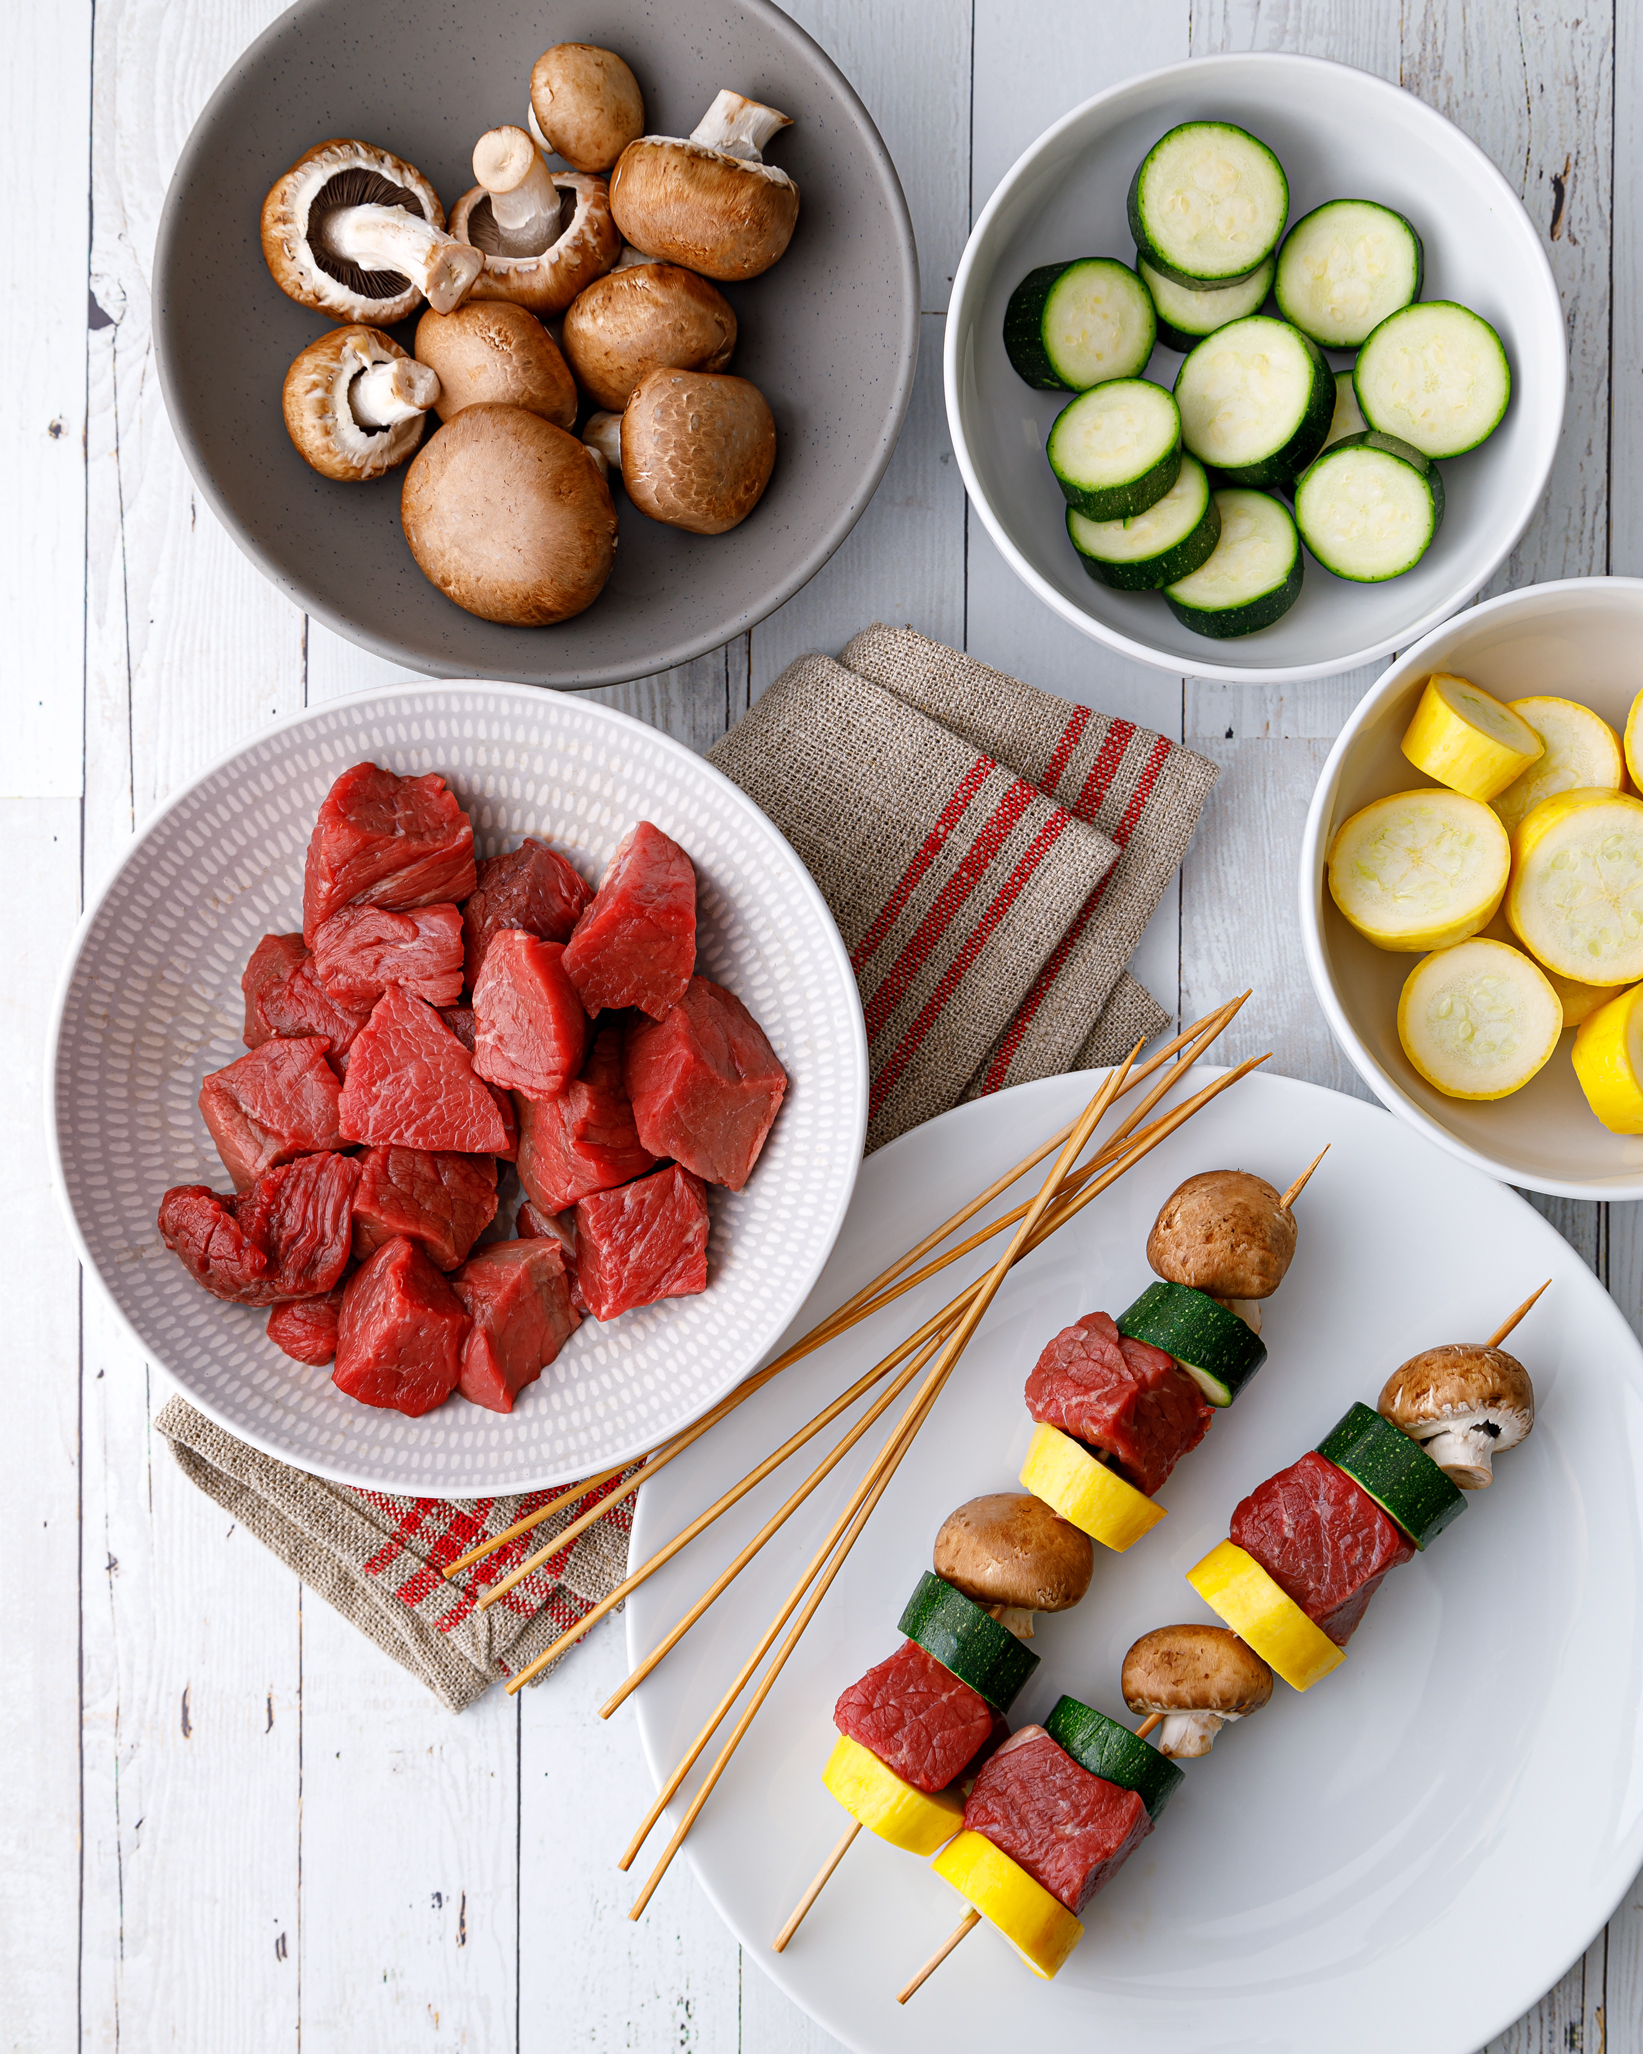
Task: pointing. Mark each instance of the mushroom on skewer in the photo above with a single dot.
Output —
(645, 316)
(1010, 1554)
(1226, 1233)
(1463, 1404)
(495, 350)
(695, 448)
(543, 234)
(1197, 1679)
(354, 403)
(709, 201)
(585, 105)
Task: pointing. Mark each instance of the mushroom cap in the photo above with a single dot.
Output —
(587, 104)
(509, 517)
(495, 350)
(714, 213)
(587, 245)
(1459, 1383)
(1194, 1669)
(697, 449)
(333, 174)
(645, 317)
(321, 423)
(1223, 1232)
(1011, 1549)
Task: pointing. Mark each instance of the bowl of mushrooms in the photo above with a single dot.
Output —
(567, 363)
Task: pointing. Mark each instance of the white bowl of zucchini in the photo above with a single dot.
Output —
(1255, 368)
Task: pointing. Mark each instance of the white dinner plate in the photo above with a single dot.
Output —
(1407, 1856)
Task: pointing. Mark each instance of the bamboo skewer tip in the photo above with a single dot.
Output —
(1299, 1184)
(967, 1924)
(822, 1876)
(1501, 1332)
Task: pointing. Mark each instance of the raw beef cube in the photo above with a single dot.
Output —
(272, 961)
(584, 1140)
(509, 1151)
(1132, 1402)
(646, 1241)
(460, 1020)
(411, 1084)
(299, 1005)
(917, 1717)
(306, 1328)
(399, 1339)
(443, 1202)
(1322, 1539)
(518, 1297)
(530, 1032)
(705, 1084)
(361, 950)
(636, 943)
(278, 1102)
(286, 1237)
(531, 887)
(529, 1224)
(382, 840)
(1069, 1830)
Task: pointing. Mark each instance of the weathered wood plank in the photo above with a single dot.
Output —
(1366, 35)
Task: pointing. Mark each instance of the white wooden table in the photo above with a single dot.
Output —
(227, 1821)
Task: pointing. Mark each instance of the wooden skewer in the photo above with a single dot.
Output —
(1299, 1184)
(1500, 1333)
(967, 1924)
(531, 1521)
(816, 1888)
(1147, 1725)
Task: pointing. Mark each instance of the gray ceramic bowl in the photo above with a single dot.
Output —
(829, 335)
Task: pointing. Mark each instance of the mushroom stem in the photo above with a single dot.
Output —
(1465, 1453)
(1016, 1619)
(525, 202)
(385, 394)
(630, 256)
(1247, 1309)
(738, 126)
(395, 240)
(603, 432)
(1187, 1735)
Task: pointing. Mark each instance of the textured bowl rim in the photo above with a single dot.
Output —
(527, 696)
(1380, 1080)
(168, 258)
(961, 321)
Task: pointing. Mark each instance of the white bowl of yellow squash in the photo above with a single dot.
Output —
(1472, 888)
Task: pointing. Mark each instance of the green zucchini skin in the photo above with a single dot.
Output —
(1212, 1345)
(1250, 616)
(1114, 1753)
(1284, 465)
(1119, 501)
(1024, 320)
(1395, 1471)
(1255, 292)
(1134, 212)
(1151, 573)
(1387, 445)
(968, 1641)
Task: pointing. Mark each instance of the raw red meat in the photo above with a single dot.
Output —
(530, 1032)
(299, 1005)
(636, 943)
(532, 887)
(1131, 1401)
(399, 1340)
(509, 1151)
(460, 1020)
(917, 1717)
(278, 1102)
(306, 1328)
(272, 961)
(705, 1084)
(361, 950)
(529, 1224)
(584, 1140)
(443, 1202)
(286, 1237)
(1323, 1540)
(382, 840)
(518, 1297)
(1069, 1830)
(411, 1084)
(643, 1242)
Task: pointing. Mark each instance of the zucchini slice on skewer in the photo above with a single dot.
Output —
(1071, 326)
(967, 1640)
(1186, 316)
(1208, 203)
(1395, 1471)
(1434, 374)
(1256, 401)
(1214, 1346)
(1369, 507)
(1116, 450)
(1109, 1750)
(1344, 268)
(1252, 578)
(1169, 541)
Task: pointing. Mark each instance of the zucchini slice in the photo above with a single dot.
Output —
(1207, 204)
(877, 1798)
(1086, 1493)
(1235, 1585)
(1256, 401)
(1116, 450)
(1608, 1060)
(1419, 870)
(1113, 1752)
(1395, 1471)
(1150, 550)
(1252, 578)
(1436, 375)
(968, 1641)
(1344, 268)
(1212, 1345)
(1466, 739)
(1576, 896)
(1186, 316)
(1346, 419)
(1038, 1926)
(1070, 326)
(1369, 507)
(1478, 1020)
(1582, 754)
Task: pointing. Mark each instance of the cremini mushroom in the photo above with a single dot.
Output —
(1224, 1232)
(543, 234)
(585, 105)
(1199, 1678)
(696, 449)
(709, 201)
(641, 317)
(355, 403)
(359, 234)
(509, 517)
(494, 350)
(1010, 1553)
(1463, 1403)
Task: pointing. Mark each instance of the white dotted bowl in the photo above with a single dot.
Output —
(150, 1001)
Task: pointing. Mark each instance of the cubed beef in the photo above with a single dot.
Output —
(361, 950)
(1069, 1830)
(299, 1005)
(643, 1242)
(584, 1140)
(518, 1296)
(306, 1328)
(917, 1717)
(530, 1223)
(272, 1105)
(411, 1084)
(1322, 1539)
(531, 887)
(288, 1236)
(272, 961)
(460, 1020)
(1132, 1402)
(400, 1334)
(705, 1084)
(441, 1201)
(382, 840)
(636, 943)
(530, 1032)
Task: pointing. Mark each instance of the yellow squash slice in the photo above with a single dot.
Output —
(1085, 1492)
(1235, 1585)
(1633, 740)
(1419, 870)
(1579, 1001)
(1576, 896)
(1608, 1059)
(1582, 753)
(1038, 1926)
(921, 1821)
(1467, 740)
(1478, 1020)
